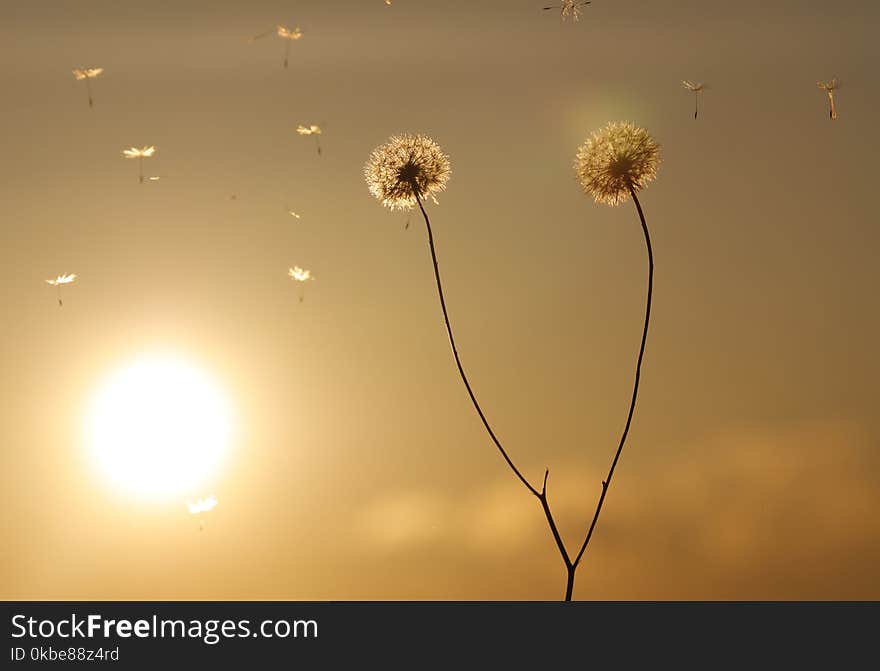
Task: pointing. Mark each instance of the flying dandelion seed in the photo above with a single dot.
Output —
(202, 505)
(293, 214)
(406, 170)
(314, 131)
(569, 8)
(140, 154)
(87, 75)
(697, 90)
(59, 281)
(614, 163)
(285, 33)
(830, 88)
(302, 276)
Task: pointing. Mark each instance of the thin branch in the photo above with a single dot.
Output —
(541, 495)
(632, 406)
(461, 372)
(546, 506)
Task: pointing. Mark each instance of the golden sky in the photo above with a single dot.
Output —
(359, 470)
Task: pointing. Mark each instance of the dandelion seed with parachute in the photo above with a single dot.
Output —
(140, 153)
(287, 34)
(87, 75)
(697, 89)
(569, 8)
(59, 282)
(202, 506)
(829, 88)
(302, 276)
(314, 131)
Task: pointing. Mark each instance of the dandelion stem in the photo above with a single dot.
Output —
(541, 495)
(286, 51)
(89, 90)
(632, 406)
(461, 372)
(141, 169)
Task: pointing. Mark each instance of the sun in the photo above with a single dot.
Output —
(159, 427)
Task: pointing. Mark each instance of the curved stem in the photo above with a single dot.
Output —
(632, 406)
(461, 372)
(542, 495)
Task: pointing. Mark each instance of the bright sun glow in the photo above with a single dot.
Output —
(159, 427)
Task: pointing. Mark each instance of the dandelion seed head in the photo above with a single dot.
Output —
(692, 86)
(86, 73)
(308, 130)
(404, 166)
(142, 152)
(615, 158)
(300, 274)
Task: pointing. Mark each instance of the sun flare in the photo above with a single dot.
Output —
(159, 427)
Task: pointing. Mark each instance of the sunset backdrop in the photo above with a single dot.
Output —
(356, 467)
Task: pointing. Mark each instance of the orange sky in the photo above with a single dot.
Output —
(360, 470)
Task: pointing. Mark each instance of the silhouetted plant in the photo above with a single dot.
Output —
(616, 162)
(611, 166)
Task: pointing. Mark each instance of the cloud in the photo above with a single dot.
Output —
(767, 512)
